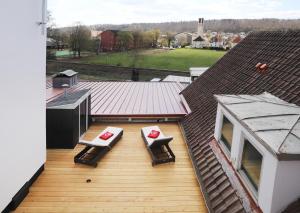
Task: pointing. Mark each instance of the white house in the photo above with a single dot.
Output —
(22, 86)
(260, 136)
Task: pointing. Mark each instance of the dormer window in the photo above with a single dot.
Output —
(262, 135)
(251, 164)
(227, 132)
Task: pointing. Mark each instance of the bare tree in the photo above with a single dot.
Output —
(124, 40)
(170, 38)
(156, 34)
(79, 39)
(50, 23)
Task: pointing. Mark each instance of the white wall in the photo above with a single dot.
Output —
(287, 187)
(22, 92)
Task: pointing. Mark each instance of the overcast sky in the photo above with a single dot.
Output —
(66, 12)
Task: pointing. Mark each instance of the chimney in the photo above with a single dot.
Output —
(69, 77)
(200, 31)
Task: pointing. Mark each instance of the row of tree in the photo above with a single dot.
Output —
(137, 39)
(222, 25)
(78, 38)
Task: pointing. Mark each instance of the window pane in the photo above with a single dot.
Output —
(227, 131)
(251, 163)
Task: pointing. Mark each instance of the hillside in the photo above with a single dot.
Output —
(224, 25)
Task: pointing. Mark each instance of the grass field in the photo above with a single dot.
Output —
(179, 59)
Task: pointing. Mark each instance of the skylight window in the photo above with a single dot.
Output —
(226, 133)
(251, 164)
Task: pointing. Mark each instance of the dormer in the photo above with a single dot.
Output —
(260, 136)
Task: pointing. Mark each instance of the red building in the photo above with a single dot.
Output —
(109, 40)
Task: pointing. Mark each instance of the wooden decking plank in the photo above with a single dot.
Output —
(124, 180)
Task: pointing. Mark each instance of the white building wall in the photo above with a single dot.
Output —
(22, 92)
(287, 187)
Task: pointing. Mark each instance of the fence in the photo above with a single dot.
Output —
(104, 72)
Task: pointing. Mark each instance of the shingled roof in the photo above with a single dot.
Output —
(236, 73)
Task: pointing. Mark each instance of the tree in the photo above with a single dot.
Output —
(124, 40)
(147, 39)
(170, 38)
(60, 38)
(50, 23)
(79, 40)
(137, 39)
(156, 34)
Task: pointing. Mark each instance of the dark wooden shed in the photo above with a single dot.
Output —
(67, 118)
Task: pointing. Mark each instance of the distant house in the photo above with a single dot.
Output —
(184, 38)
(199, 42)
(108, 40)
(95, 34)
(51, 43)
(54, 44)
(217, 42)
(236, 40)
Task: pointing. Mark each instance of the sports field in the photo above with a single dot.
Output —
(178, 59)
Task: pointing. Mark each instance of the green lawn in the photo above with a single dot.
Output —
(63, 53)
(179, 59)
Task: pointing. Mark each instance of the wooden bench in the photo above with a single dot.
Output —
(98, 147)
(159, 147)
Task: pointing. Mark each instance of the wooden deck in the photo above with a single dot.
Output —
(124, 180)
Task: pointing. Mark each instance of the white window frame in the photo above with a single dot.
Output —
(218, 131)
(254, 192)
(234, 155)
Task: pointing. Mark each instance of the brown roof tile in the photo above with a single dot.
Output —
(235, 73)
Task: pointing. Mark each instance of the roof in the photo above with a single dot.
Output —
(293, 207)
(199, 38)
(131, 99)
(66, 73)
(235, 73)
(156, 79)
(275, 122)
(95, 33)
(177, 78)
(184, 33)
(197, 71)
(70, 101)
(113, 31)
(48, 83)
(237, 39)
(51, 42)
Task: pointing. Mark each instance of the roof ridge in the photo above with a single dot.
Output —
(290, 132)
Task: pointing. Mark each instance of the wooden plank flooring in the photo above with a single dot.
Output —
(124, 180)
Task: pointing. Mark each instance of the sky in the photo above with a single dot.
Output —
(89, 12)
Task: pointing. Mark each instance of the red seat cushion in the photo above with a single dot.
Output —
(154, 134)
(106, 135)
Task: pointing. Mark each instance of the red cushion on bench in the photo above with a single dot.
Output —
(106, 135)
(154, 134)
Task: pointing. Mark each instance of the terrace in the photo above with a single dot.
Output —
(160, 100)
(124, 180)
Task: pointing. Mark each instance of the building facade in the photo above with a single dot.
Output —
(22, 86)
(108, 40)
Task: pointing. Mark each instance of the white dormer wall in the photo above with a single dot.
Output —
(287, 187)
(279, 180)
